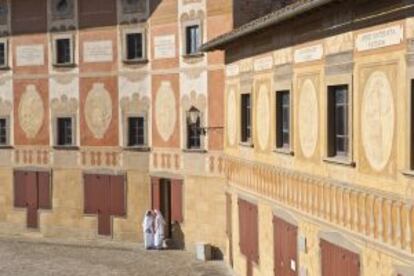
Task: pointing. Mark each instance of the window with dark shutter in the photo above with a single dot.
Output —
(245, 118)
(136, 131)
(192, 39)
(338, 133)
(64, 132)
(63, 51)
(194, 130)
(3, 53)
(134, 46)
(4, 132)
(283, 119)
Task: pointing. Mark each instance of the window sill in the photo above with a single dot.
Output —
(194, 150)
(64, 65)
(138, 148)
(285, 151)
(66, 148)
(194, 55)
(135, 61)
(6, 147)
(343, 161)
(246, 144)
(5, 68)
(408, 173)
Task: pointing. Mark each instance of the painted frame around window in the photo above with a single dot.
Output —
(71, 38)
(125, 131)
(134, 30)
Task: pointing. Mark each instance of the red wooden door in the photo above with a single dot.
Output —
(90, 193)
(117, 195)
(155, 193)
(44, 190)
(20, 189)
(32, 199)
(285, 248)
(177, 200)
(104, 216)
(338, 261)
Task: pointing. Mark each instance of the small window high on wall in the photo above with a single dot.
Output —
(134, 46)
(4, 132)
(63, 50)
(194, 130)
(65, 131)
(246, 118)
(193, 39)
(338, 121)
(136, 131)
(3, 54)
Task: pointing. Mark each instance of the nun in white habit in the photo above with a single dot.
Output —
(159, 229)
(148, 229)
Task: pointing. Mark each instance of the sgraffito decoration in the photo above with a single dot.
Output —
(165, 111)
(31, 112)
(377, 120)
(98, 110)
(308, 118)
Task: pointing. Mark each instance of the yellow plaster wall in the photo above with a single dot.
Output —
(204, 211)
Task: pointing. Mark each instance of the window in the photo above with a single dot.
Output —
(193, 41)
(63, 51)
(134, 46)
(136, 131)
(194, 130)
(65, 131)
(3, 54)
(338, 136)
(4, 132)
(283, 119)
(245, 118)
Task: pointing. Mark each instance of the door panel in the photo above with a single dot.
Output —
(44, 190)
(155, 193)
(338, 261)
(104, 219)
(20, 189)
(176, 200)
(117, 194)
(32, 199)
(90, 198)
(285, 248)
(229, 227)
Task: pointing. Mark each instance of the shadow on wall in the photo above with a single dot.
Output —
(178, 242)
(177, 236)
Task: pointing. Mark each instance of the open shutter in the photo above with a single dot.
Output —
(242, 226)
(155, 193)
(255, 233)
(32, 199)
(177, 200)
(19, 189)
(44, 190)
(117, 195)
(90, 194)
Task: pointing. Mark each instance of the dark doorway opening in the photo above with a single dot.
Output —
(165, 204)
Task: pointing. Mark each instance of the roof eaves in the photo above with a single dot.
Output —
(270, 19)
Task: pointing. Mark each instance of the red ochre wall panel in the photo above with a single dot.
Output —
(110, 138)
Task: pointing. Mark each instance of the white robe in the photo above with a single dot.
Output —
(159, 230)
(148, 231)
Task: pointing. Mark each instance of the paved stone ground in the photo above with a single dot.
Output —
(20, 257)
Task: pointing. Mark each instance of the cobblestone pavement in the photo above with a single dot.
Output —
(24, 257)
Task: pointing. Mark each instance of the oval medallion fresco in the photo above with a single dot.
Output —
(231, 117)
(263, 117)
(98, 110)
(377, 120)
(308, 118)
(165, 112)
(31, 112)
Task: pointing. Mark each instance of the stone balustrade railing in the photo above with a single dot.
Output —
(382, 217)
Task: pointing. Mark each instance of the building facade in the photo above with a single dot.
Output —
(108, 109)
(319, 139)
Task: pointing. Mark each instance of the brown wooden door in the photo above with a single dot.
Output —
(155, 193)
(117, 195)
(285, 248)
(32, 198)
(104, 220)
(177, 200)
(20, 189)
(338, 261)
